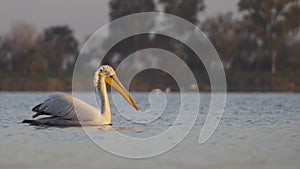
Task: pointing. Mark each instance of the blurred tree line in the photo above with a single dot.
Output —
(33, 61)
(259, 49)
(27, 53)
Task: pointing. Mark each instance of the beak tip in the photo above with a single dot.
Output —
(136, 107)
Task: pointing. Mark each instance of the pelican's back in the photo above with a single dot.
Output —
(61, 107)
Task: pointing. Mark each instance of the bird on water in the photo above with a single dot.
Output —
(65, 110)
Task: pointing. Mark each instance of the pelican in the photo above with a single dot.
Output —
(61, 107)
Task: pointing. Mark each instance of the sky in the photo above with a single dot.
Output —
(84, 17)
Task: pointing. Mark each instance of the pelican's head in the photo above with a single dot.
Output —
(108, 74)
(106, 70)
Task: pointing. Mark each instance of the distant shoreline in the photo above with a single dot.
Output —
(236, 82)
(49, 84)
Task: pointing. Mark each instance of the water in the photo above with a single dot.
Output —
(256, 131)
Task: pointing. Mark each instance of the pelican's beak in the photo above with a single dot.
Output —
(115, 83)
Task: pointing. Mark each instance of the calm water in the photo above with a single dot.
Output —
(256, 131)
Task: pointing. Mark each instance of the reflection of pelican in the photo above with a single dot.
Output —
(61, 107)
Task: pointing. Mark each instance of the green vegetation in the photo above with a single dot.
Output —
(259, 50)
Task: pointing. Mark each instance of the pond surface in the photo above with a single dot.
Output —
(256, 131)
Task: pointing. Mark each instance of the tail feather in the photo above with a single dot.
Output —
(36, 108)
(32, 122)
(39, 114)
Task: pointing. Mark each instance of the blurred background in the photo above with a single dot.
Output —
(257, 41)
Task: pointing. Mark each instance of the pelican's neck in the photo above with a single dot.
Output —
(105, 109)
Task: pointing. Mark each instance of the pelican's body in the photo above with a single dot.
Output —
(66, 110)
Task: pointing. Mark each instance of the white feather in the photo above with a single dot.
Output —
(62, 105)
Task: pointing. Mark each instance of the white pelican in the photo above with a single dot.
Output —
(61, 107)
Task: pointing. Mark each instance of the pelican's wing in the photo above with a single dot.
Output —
(62, 105)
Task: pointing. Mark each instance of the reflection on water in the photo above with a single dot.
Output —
(256, 131)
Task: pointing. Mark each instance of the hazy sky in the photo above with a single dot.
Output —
(85, 17)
